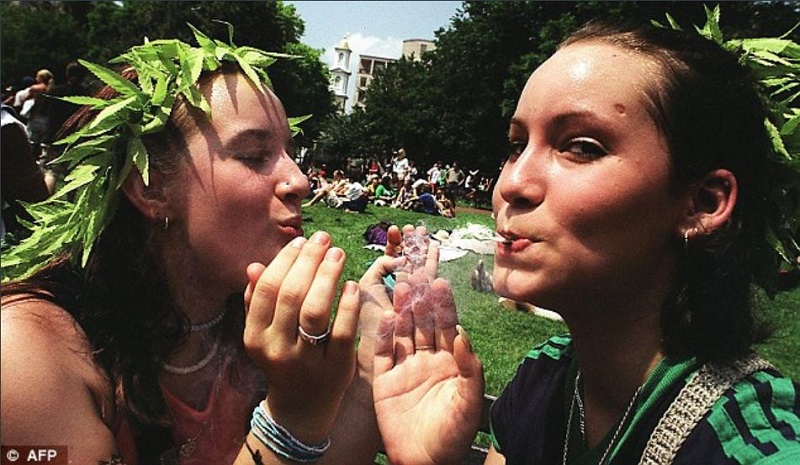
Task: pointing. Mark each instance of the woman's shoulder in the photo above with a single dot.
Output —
(31, 318)
(763, 393)
(556, 348)
(46, 353)
(756, 420)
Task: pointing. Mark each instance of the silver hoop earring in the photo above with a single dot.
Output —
(166, 223)
(686, 240)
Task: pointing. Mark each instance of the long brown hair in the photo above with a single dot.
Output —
(121, 299)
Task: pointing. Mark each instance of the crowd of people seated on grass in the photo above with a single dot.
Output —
(399, 185)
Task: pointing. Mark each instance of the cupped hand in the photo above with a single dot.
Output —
(428, 385)
(306, 381)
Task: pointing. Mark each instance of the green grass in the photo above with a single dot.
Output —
(499, 336)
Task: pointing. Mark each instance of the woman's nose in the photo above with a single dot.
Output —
(522, 181)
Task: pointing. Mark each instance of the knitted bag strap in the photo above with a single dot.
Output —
(692, 403)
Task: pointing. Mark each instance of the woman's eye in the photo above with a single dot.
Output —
(586, 149)
(516, 147)
(252, 159)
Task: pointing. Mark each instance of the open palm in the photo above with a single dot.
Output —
(428, 384)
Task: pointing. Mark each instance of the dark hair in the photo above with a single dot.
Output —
(121, 299)
(706, 104)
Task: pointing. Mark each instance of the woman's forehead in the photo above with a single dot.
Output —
(591, 77)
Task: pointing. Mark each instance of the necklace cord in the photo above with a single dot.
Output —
(576, 399)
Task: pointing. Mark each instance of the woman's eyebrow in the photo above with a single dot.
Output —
(249, 136)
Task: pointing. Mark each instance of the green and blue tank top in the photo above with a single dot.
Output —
(757, 420)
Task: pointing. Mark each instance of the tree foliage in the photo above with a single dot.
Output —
(50, 34)
(456, 103)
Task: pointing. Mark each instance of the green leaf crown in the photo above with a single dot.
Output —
(775, 63)
(100, 155)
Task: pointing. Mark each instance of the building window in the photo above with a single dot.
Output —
(423, 48)
(365, 67)
(363, 81)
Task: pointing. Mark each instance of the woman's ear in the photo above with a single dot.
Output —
(711, 203)
(150, 199)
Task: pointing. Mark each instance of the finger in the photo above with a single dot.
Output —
(415, 247)
(424, 322)
(296, 283)
(393, 241)
(315, 311)
(384, 343)
(445, 313)
(375, 298)
(383, 266)
(254, 271)
(265, 292)
(432, 261)
(404, 323)
(469, 366)
(345, 325)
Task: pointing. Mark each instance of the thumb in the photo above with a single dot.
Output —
(254, 271)
(470, 369)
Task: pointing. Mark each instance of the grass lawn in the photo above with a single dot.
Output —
(502, 337)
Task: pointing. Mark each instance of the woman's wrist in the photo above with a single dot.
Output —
(305, 426)
(292, 442)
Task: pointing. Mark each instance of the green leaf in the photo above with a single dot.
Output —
(157, 121)
(112, 115)
(202, 39)
(777, 141)
(82, 100)
(160, 90)
(673, 24)
(138, 155)
(250, 72)
(230, 30)
(294, 124)
(111, 78)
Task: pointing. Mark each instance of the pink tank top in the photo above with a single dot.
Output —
(214, 435)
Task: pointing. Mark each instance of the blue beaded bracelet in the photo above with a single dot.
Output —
(279, 440)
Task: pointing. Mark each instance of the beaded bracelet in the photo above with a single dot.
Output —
(279, 440)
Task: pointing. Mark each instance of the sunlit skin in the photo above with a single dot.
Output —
(239, 198)
(585, 196)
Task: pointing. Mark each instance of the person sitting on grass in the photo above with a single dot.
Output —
(383, 193)
(425, 202)
(332, 189)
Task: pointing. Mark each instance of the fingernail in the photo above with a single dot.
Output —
(334, 254)
(320, 237)
(298, 242)
(350, 287)
(463, 333)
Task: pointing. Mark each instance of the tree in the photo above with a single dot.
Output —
(456, 104)
(35, 36)
(50, 34)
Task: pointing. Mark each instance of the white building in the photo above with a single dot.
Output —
(340, 74)
(349, 95)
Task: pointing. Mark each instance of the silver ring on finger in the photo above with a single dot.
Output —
(312, 339)
(428, 347)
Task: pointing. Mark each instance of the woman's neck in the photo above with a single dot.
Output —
(615, 360)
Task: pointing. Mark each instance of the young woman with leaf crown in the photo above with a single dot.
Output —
(643, 201)
(122, 333)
